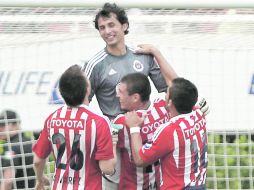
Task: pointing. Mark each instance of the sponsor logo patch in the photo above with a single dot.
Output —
(147, 146)
(112, 72)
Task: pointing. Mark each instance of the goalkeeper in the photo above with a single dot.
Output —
(107, 67)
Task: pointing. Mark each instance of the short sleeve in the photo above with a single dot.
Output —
(91, 74)
(93, 85)
(160, 146)
(104, 145)
(43, 147)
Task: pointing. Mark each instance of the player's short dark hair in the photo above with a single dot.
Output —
(184, 95)
(73, 86)
(138, 83)
(9, 117)
(106, 11)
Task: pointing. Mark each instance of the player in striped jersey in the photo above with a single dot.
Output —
(181, 144)
(134, 92)
(79, 139)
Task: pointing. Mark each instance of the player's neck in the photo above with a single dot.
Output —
(117, 50)
(86, 101)
(145, 105)
(173, 112)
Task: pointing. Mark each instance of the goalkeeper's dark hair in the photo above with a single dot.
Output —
(73, 86)
(138, 83)
(184, 95)
(106, 11)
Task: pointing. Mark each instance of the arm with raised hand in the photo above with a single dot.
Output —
(166, 69)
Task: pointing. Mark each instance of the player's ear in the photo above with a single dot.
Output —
(169, 104)
(125, 26)
(136, 97)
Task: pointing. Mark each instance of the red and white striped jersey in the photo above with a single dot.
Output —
(78, 138)
(132, 177)
(182, 147)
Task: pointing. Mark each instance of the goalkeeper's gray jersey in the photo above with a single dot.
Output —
(105, 72)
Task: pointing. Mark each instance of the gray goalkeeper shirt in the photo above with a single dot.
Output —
(105, 72)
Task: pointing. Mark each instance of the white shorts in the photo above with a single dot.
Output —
(112, 182)
(106, 185)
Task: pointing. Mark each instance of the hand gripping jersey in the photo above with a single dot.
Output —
(105, 71)
(182, 147)
(132, 177)
(78, 138)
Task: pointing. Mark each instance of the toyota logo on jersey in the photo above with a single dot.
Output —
(138, 66)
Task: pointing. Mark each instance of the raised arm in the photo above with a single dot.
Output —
(166, 69)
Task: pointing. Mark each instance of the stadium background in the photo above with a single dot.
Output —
(213, 47)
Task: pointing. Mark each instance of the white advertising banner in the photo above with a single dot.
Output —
(29, 76)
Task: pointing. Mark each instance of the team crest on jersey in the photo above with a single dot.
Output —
(138, 66)
(147, 145)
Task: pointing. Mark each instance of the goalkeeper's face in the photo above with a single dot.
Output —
(111, 30)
